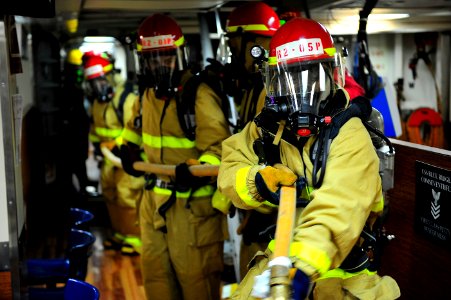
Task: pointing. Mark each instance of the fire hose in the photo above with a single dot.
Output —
(280, 283)
(160, 169)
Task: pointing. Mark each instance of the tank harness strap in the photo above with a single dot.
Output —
(360, 107)
(144, 81)
(128, 88)
(186, 102)
(248, 112)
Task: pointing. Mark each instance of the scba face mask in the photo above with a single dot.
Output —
(101, 89)
(299, 93)
(162, 67)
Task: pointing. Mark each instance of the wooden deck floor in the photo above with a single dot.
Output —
(117, 276)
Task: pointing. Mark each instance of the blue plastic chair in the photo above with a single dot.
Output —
(47, 271)
(50, 271)
(44, 276)
(39, 293)
(79, 253)
(80, 290)
(73, 290)
(80, 218)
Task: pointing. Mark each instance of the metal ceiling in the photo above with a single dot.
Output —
(116, 17)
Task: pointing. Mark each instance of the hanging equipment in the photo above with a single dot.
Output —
(421, 41)
(364, 73)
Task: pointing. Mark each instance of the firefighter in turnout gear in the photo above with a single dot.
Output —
(182, 234)
(248, 25)
(308, 135)
(110, 110)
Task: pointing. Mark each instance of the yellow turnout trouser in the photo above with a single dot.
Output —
(247, 252)
(122, 192)
(186, 261)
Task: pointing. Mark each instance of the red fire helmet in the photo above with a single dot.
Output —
(301, 40)
(159, 32)
(254, 17)
(96, 65)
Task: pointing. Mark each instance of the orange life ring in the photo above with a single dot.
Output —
(425, 127)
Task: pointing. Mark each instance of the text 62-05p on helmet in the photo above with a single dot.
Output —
(97, 70)
(302, 75)
(161, 46)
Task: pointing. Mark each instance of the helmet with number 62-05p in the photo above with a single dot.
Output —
(302, 75)
(160, 45)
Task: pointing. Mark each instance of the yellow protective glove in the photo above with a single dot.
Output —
(277, 176)
(269, 180)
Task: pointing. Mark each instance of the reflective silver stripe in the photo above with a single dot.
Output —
(164, 184)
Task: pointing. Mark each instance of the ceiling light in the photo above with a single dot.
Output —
(387, 16)
(349, 27)
(99, 39)
(377, 17)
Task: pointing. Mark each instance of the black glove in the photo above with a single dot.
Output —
(300, 285)
(184, 180)
(116, 151)
(130, 154)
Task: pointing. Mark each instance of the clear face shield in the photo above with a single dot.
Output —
(340, 67)
(299, 92)
(163, 66)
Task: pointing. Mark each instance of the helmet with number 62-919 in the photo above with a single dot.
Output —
(160, 45)
(303, 75)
